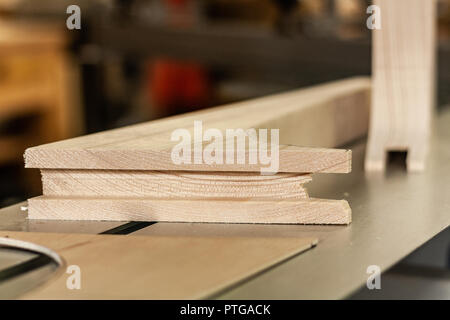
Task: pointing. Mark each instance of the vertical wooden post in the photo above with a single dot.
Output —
(403, 64)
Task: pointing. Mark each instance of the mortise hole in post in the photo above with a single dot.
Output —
(397, 159)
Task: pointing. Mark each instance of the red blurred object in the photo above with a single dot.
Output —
(194, 88)
(178, 87)
(177, 3)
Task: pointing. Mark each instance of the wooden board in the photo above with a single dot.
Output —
(291, 159)
(109, 175)
(174, 184)
(157, 267)
(322, 116)
(404, 65)
(310, 211)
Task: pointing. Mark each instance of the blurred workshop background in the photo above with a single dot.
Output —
(133, 61)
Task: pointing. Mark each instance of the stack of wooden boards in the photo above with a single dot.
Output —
(128, 174)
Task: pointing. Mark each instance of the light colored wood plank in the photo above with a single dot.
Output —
(403, 82)
(322, 116)
(291, 159)
(310, 211)
(149, 267)
(338, 109)
(173, 184)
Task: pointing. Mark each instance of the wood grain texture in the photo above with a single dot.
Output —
(110, 175)
(291, 159)
(310, 211)
(326, 115)
(174, 184)
(403, 82)
(157, 267)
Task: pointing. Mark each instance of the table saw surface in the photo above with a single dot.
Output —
(393, 214)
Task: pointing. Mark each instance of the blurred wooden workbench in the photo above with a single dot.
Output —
(37, 78)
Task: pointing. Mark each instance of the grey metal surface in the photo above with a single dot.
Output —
(435, 253)
(9, 257)
(29, 266)
(393, 214)
(408, 286)
(13, 218)
(234, 230)
(17, 286)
